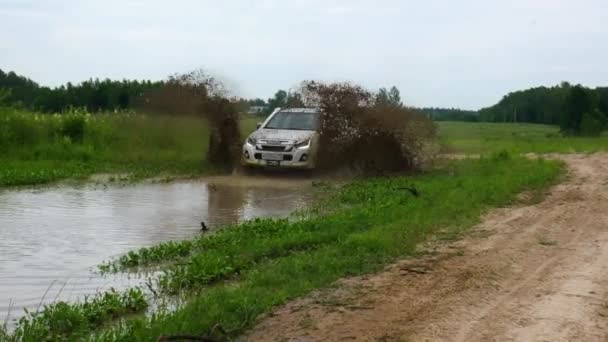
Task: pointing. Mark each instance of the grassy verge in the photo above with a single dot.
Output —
(483, 138)
(70, 321)
(236, 275)
(39, 148)
(372, 223)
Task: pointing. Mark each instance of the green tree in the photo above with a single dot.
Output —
(450, 114)
(394, 97)
(591, 124)
(578, 102)
(95, 95)
(294, 100)
(279, 100)
(390, 97)
(257, 102)
(545, 105)
(5, 96)
(382, 97)
(603, 100)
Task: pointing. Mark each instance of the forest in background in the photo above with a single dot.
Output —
(544, 104)
(575, 108)
(105, 95)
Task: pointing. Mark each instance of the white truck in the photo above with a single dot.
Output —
(288, 138)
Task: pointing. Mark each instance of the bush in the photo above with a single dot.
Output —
(73, 128)
(501, 156)
(591, 124)
(17, 129)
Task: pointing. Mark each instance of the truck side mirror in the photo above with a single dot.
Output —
(258, 125)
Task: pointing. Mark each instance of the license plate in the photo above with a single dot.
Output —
(273, 163)
(272, 156)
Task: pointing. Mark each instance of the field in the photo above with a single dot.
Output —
(39, 148)
(245, 270)
(483, 138)
(230, 278)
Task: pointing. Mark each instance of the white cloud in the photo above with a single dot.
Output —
(439, 52)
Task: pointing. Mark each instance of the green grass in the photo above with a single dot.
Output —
(38, 148)
(371, 223)
(245, 270)
(483, 138)
(70, 321)
(241, 272)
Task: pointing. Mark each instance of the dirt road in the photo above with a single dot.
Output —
(536, 272)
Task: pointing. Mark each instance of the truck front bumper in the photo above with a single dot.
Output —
(300, 158)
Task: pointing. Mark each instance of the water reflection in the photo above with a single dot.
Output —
(52, 237)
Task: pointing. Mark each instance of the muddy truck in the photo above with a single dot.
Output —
(288, 138)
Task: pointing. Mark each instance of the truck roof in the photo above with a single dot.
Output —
(300, 110)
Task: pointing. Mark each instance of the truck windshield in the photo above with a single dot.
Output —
(294, 121)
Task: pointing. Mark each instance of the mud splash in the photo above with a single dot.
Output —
(360, 131)
(198, 94)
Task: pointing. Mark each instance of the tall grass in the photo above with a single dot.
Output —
(39, 148)
(70, 321)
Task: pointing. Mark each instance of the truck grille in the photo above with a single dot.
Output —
(273, 148)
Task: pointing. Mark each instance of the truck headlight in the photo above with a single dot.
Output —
(251, 141)
(302, 144)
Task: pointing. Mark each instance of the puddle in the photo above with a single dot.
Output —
(52, 238)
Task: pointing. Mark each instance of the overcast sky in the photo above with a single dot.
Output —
(465, 53)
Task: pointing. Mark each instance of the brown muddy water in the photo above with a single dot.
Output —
(51, 239)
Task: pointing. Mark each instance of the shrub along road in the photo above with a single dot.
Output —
(534, 272)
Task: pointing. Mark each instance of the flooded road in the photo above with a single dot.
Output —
(52, 238)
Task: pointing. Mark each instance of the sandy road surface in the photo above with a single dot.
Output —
(531, 273)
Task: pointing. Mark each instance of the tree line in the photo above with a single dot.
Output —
(94, 94)
(293, 98)
(450, 114)
(575, 108)
(107, 95)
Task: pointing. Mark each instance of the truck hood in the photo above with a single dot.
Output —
(282, 135)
